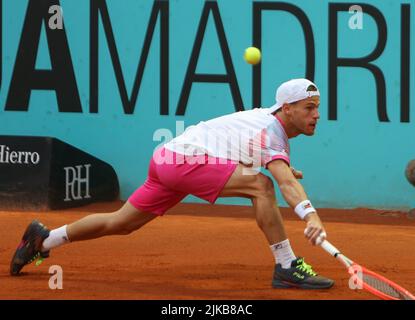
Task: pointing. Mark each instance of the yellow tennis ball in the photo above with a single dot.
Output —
(252, 55)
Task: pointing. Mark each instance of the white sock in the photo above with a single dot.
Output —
(57, 237)
(283, 253)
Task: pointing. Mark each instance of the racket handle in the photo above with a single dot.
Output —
(330, 248)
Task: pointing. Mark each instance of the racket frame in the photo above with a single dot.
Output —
(353, 268)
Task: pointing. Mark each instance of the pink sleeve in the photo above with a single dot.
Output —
(276, 157)
(274, 145)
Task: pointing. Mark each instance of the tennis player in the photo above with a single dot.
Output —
(221, 157)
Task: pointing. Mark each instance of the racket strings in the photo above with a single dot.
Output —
(384, 287)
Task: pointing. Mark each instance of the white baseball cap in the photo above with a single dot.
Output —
(294, 90)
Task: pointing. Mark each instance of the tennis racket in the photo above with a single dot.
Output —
(363, 278)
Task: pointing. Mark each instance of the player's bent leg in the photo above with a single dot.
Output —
(260, 189)
(289, 271)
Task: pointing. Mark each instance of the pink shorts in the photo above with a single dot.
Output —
(168, 182)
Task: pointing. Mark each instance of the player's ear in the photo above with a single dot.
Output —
(286, 108)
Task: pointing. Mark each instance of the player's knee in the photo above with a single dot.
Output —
(119, 226)
(124, 230)
(123, 223)
(263, 186)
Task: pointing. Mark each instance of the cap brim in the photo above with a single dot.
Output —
(275, 107)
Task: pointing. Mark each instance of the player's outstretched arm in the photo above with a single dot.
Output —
(293, 192)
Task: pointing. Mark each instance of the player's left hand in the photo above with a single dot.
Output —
(297, 174)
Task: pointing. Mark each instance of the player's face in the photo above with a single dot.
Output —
(304, 115)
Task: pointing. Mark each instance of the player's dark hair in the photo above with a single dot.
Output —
(311, 88)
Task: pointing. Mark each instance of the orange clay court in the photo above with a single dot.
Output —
(205, 252)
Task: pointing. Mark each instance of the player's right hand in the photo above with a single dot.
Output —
(314, 232)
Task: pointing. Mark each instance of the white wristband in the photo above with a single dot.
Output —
(304, 208)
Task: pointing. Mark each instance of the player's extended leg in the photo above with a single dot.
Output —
(289, 270)
(121, 222)
(150, 200)
(37, 240)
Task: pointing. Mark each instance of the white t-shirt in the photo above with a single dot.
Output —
(253, 137)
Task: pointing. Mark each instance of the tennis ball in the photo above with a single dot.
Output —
(410, 172)
(252, 55)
